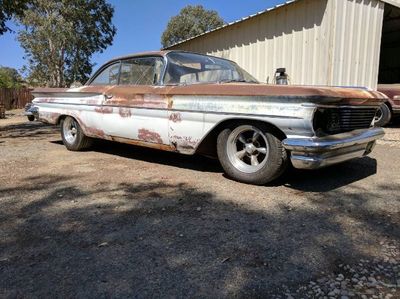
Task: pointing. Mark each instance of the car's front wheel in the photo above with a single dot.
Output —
(72, 135)
(251, 153)
(382, 116)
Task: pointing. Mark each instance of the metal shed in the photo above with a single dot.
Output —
(319, 42)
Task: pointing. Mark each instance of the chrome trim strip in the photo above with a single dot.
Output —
(316, 105)
(172, 110)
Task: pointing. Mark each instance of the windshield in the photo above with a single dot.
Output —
(188, 68)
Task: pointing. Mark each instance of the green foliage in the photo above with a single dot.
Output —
(60, 36)
(9, 9)
(9, 77)
(191, 21)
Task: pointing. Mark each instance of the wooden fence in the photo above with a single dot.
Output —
(14, 98)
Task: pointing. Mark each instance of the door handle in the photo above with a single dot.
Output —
(108, 96)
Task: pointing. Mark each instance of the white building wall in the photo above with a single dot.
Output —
(356, 41)
(320, 42)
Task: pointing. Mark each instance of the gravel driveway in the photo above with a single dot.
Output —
(124, 221)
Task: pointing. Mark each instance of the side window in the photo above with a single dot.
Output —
(141, 71)
(109, 76)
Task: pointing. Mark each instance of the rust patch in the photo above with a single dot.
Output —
(274, 90)
(170, 102)
(149, 136)
(175, 117)
(49, 89)
(91, 132)
(139, 100)
(163, 147)
(104, 109)
(184, 141)
(125, 112)
(94, 132)
(49, 117)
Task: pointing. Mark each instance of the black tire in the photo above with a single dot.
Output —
(273, 164)
(74, 141)
(31, 117)
(383, 116)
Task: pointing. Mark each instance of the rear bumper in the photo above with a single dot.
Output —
(31, 109)
(312, 153)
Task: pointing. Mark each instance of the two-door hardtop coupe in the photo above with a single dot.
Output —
(191, 103)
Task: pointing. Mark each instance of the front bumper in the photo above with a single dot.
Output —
(312, 153)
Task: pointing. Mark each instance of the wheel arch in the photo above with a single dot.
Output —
(208, 145)
(389, 104)
(64, 115)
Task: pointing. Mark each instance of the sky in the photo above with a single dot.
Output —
(140, 25)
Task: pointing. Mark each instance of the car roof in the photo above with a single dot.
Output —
(161, 53)
(155, 53)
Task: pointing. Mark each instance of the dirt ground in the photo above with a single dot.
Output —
(125, 221)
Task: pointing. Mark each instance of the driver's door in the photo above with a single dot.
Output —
(136, 108)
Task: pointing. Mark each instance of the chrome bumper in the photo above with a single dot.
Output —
(312, 153)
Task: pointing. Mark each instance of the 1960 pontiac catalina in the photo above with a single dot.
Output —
(191, 103)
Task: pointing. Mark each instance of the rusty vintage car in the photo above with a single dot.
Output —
(191, 103)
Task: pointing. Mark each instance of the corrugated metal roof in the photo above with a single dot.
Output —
(392, 2)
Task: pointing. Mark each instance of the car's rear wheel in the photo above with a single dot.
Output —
(382, 116)
(251, 153)
(72, 135)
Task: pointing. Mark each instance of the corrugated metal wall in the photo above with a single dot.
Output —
(320, 42)
(356, 41)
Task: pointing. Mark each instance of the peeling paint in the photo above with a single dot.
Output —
(175, 117)
(184, 141)
(125, 112)
(149, 136)
(159, 146)
(94, 132)
(104, 109)
(49, 117)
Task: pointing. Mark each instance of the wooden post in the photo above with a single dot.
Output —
(2, 111)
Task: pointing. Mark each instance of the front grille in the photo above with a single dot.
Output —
(343, 119)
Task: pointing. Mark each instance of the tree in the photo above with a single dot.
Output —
(59, 38)
(191, 21)
(9, 77)
(10, 9)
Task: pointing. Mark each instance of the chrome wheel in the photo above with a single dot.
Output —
(378, 115)
(70, 130)
(247, 149)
